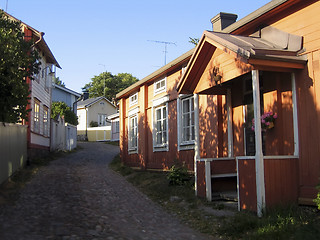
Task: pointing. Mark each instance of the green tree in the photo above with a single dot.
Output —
(108, 85)
(57, 81)
(194, 41)
(18, 61)
(62, 109)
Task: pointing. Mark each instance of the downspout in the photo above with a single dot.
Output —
(41, 34)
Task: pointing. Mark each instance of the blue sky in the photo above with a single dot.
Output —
(93, 36)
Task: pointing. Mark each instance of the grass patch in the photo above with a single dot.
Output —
(117, 166)
(290, 222)
(114, 143)
(9, 190)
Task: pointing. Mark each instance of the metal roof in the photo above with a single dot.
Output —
(268, 43)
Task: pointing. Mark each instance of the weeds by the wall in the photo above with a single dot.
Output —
(291, 222)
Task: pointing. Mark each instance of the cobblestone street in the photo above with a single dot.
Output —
(78, 197)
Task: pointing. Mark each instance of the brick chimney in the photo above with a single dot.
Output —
(223, 20)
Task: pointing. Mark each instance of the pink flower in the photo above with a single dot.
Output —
(275, 115)
(267, 123)
(263, 121)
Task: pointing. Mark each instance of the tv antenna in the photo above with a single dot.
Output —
(165, 48)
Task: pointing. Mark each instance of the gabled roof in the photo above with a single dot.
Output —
(91, 101)
(41, 43)
(269, 47)
(66, 90)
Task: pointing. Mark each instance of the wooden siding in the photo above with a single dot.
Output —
(247, 185)
(223, 64)
(281, 181)
(146, 157)
(201, 181)
(305, 22)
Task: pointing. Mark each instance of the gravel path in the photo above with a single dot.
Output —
(78, 197)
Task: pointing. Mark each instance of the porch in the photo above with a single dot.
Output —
(250, 76)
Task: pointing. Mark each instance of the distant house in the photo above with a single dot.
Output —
(92, 117)
(115, 127)
(40, 93)
(66, 95)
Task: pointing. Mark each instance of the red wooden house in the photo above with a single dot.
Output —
(266, 63)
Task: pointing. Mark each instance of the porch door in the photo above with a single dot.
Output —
(250, 148)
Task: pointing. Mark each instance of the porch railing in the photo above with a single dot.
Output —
(284, 159)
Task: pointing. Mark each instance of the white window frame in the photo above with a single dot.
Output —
(133, 99)
(36, 116)
(117, 126)
(183, 144)
(102, 119)
(160, 104)
(45, 121)
(160, 89)
(133, 149)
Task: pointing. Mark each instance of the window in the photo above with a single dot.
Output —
(36, 116)
(117, 127)
(45, 121)
(102, 119)
(133, 134)
(133, 99)
(159, 86)
(187, 123)
(250, 147)
(160, 132)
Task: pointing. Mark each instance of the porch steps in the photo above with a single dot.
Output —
(225, 196)
(223, 175)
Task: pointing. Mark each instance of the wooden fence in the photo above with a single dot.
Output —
(13, 149)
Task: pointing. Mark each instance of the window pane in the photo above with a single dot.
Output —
(158, 114)
(192, 134)
(159, 138)
(192, 104)
(185, 106)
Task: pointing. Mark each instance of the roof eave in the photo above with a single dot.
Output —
(254, 15)
(155, 74)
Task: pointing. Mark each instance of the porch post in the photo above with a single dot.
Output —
(208, 180)
(295, 115)
(230, 132)
(197, 139)
(258, 142)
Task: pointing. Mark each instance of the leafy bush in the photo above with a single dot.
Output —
(62, 109)
(178, 175)
(93, 124)
(317, 200)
